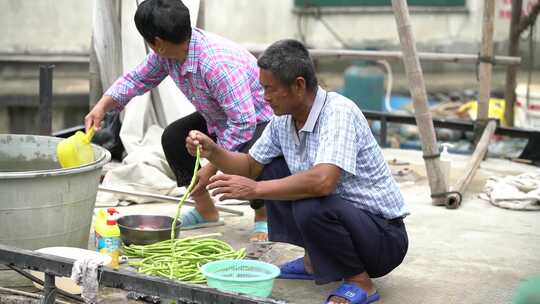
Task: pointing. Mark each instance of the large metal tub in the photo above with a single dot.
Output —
(41, 204)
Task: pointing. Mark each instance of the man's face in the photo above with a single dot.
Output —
(277, 95)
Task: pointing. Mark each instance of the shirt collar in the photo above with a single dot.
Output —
(315, 111)
(194, 50)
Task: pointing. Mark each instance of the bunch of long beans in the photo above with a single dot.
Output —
(181, 259)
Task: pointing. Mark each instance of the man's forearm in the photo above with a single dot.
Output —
(231, 162)
(302, 185)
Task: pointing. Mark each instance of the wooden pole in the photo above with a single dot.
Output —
(437, 181)
(511, 70)
(479, 153)
(486, 54)
(96, 90)
(107, 41)
(201, 23)
(396, 55)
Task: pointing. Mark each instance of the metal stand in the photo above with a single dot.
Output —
(183, 293)
(49, 289)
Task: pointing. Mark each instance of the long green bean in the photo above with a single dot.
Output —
(181, 259)
(188, 190)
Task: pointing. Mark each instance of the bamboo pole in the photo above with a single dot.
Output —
(485, 73)
(485, 69)
(437, 181)
(160, 197)
(479, 153)
(511, 70)
(396, 55)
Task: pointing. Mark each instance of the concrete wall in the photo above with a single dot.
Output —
(45, 26)
(64, 26)
(263, 21)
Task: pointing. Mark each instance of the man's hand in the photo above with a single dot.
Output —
(203, 178)
(196, 138)
(233, 187)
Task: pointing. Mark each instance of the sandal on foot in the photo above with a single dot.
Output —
(194, 220)
(260, 227)
(353, 294)
(294, 270)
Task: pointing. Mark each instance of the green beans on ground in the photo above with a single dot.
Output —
(181, 259)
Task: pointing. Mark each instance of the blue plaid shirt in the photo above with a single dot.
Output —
(336, 132)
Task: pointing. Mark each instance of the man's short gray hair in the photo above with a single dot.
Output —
(288, 59)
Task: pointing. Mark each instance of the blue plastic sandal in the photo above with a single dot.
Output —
(294, 270)
(353, 294)
(261, 227)
(194, 220)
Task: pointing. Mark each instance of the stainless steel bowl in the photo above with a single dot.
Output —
(146, 229)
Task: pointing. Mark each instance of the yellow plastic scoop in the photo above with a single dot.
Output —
(76, 150)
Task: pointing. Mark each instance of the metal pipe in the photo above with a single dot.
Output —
(40, 282)
(384, 132)
(396, 55)
(453, 124)
(45, 98)
(163, 198)
(27, 294)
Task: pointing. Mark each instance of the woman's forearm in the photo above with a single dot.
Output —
(107, 103)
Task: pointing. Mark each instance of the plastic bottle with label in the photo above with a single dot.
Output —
(446, 161)
(107, 235)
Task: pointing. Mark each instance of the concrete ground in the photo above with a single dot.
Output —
(476, 254)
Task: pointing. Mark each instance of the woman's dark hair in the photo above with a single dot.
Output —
(288, 59)
(166, 19)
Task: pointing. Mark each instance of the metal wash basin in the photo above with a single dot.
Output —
(41, 204)
(146, 229)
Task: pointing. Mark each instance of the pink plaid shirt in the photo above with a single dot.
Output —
(220, 78)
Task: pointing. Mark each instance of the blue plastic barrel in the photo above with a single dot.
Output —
(364, 84)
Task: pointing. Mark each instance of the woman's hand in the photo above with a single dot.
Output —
(197, 138)
(96, 115)
(233, 187)
(203, 178)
